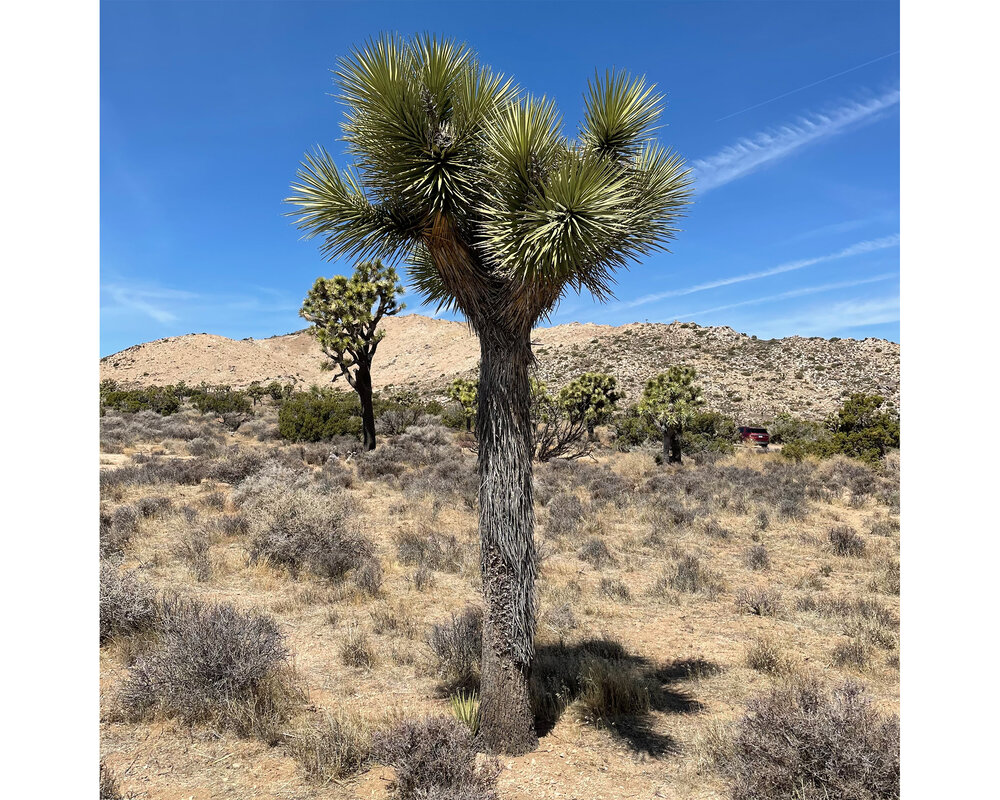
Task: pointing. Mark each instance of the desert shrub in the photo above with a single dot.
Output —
(615, 589)
(335, 747)
(213, 664)
(758, 601)
(423, 578)
(609, 487)
(845, 542)
(565, 514)
(369, 576)
(785, 428)
(232, 524)
(708, 432)
(595, 552)
(803, 742)
(356, 649)
(117, 529)
(852, 653)
(560, 619)
(757, 557)
(195, 551)
(153, 506)
(315, 416)
(761, 521)
(887, 581)
(222, 402)
(864, 427)
(431, 550)
(128, 603)
(714, 529)
(336, 473)
(434, 757)
(689, 575)
(379, 463)
(109, 786)
(633, 429)
(457, 646)
(158, 399)
(610, 691)
(299, 528)
(883, 526)
(765, 655)
(238, 464)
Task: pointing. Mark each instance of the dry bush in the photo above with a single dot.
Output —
(110, 788)
(757, 558)
(195, 551)
(887, 581)
(611, 691)
(712, 528)
(853, 653)
(765, 655)
(128, 603)
(203, 446)
(689, 575)
(434, 759)
(615, 589)
(758, 601)
(155, 506)
(565, 515)
(356, 649)
(883, 526)
(336, 746)
(213, 664)
(595, 552)
(238, 464)
(802, 742)
(457, 646)
(117, 530)
(846, 542)
(294, 525)
(761, 521)
(560, 619)
(423, 578)
(369, 577)
(431, 550)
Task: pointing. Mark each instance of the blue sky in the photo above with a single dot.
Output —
(788, 113)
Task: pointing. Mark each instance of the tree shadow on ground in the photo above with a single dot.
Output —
(614, 689)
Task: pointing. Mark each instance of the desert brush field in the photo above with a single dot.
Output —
(302, 620)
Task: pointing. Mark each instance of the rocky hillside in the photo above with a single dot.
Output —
(748, 378)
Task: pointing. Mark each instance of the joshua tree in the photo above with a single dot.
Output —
(345, 313)
(669, 401)
(498, 213)
(590, 398)
(466, 394)
(558, 433)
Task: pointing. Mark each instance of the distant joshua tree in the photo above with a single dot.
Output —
(465, 393)
(498, 214)
(670, 401)
(345, 313)
(591, 399)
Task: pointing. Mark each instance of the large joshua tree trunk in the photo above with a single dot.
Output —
(363, 385)
(506, 531)
(671, 445)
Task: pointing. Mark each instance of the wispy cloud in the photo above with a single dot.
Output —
(828, 320)
(809, 85)
(766, 147)
(867, 246)
(146, 301)
(771, 298)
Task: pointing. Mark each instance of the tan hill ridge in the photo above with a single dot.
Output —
(747, 378)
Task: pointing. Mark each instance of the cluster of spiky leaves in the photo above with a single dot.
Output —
(591, 398)
(345, 313)
(671, 399)
(476, 185)
(466, 393)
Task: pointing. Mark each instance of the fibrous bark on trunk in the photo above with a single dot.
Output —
(671, 446)
(363, 386)
(507, 547)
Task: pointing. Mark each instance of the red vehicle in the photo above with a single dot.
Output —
(758, 436)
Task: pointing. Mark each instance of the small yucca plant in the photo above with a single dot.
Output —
(465, 707)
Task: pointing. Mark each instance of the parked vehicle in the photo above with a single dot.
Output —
(754, 436)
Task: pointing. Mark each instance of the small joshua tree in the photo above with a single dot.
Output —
(345, 313)
(669, 401)
(590, 399)
(465, 393)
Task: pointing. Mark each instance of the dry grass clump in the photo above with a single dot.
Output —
(110, 788)
(883, 526)
(117, 529)
(356, 649)
(195, 551)
(457, 647)
(852, 653)
(434, 759)
(610, 690)
(887, 581)
(690, 575)
(846, 542)
(803, 742)
(615, 589)
(715, 530)
(336, 746)
(595, 552)
(566, 514)
(430, 550)
(213, 664)
(757, 558)
(128, 603)
(758, 601)
(765, 655)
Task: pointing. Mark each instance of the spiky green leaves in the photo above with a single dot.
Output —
(443, 148)
(591, 397)
(345, 313)
(670, 399)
